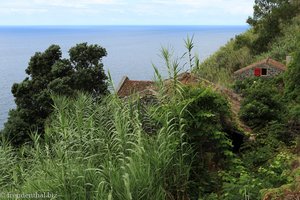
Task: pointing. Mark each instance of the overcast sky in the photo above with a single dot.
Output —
(125, 12)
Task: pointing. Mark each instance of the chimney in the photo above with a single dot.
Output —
(288, 60)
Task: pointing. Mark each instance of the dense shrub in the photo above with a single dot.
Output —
(205, 114)
(242, 182)
(261, 104)
(292, 79)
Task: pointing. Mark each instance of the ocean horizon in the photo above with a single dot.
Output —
(132, 49)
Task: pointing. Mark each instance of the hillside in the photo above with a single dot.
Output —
(268, 108)
(201, 135)
(220, 66)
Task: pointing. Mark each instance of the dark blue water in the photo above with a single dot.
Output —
(131, 49)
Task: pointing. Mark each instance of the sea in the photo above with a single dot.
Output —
(132, 50)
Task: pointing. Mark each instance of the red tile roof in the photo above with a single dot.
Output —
(188, 78)
(268, 61)
(128, 87)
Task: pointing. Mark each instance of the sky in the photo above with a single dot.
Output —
(125, 12)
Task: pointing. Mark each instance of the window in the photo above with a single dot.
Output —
(264, 71)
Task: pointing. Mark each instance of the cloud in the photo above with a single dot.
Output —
(102, 2)
(25, 11)
(31, 7)
(20, 7)
(45, 4)
(139, 6)
(28, 10)
(76, 3)
(233, 7)
(132, 11)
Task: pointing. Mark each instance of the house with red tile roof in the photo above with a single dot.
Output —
(128, 87)
(264, 68)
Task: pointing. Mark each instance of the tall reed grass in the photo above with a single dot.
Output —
(99, 151)
(102, 150)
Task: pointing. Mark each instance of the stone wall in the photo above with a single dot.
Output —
(271, 72)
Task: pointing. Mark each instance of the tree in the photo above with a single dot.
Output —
(89, 74)
(50, 74)
(261, 104)
(292, 77)
(267, 19)
(292, 92)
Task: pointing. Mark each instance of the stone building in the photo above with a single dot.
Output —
(265, 68)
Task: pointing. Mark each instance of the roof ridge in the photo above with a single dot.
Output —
(268, 60)
(141, 80)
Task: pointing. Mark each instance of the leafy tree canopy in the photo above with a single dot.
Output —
(292, 78)
(49, 73)
(292, 90)
(262, 104)
(268, 17)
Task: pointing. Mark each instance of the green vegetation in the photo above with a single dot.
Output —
(268, 17)
(274, 33)
(186, 144)
(101, 150)
(262, 104)
(51, 74)
(292, 78)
